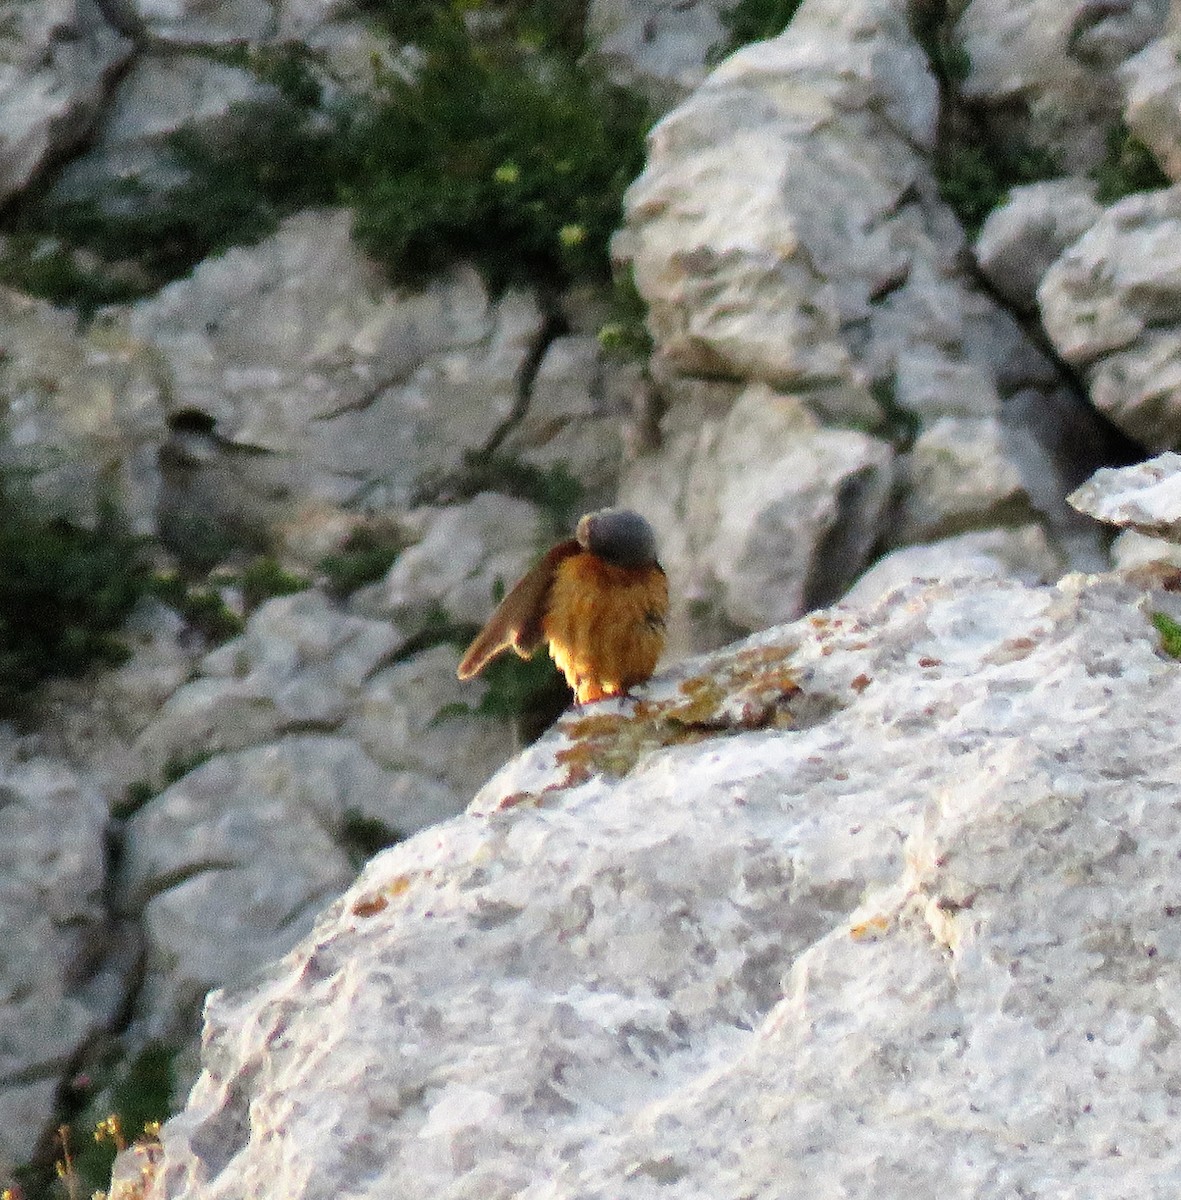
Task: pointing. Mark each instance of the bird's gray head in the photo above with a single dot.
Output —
(618, 536)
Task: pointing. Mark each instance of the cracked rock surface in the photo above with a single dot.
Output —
(885, 898)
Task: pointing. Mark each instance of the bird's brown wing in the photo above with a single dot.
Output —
(518, 617)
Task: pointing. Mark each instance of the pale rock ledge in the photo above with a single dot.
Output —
(883, 903)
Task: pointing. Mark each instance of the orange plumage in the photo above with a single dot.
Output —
(599, 600)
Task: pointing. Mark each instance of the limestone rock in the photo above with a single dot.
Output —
(296, 378)
(1022, 237)
(301, 664)
(1152, 94)
(883, 898)
(577, 409)
(83, 413)
(1023, 554)
(1145, 498)
(788, 229)
(963, 473)
(760, 511)
(157, 97)
(416, 716)
(58, 58)
(1111, 304)
(464, 552)
(52, 864)
(1058, 60)
(228, 866)
(656, 47)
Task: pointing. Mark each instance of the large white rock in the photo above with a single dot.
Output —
(55, 938)
(57, 58)
(1111, 305)
(882, 903)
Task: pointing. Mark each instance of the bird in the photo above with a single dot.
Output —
(598, 599)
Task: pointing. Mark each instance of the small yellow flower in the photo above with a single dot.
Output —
(572, 235)
(507, 172)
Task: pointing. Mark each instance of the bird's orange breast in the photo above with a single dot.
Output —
(605, 624)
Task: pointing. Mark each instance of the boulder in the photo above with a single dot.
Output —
(760, 512)
(1056, 63)
(297, 379)
(59, 58)
(884, 898)
(1022, 237)
(55, 996)
(1145, 498)
(1111, 304)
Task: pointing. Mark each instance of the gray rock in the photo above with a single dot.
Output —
(83, 413)
(1057, 61)
(1145, 498)
(416, 716)
(1152, 100)
(52, 864)
(1111, 304)
(228, 866)
(301, 664)
(298, 381)
(1024, 554)
(1022, 237)
(158, 97)
(918, 940)
(58, 58)
(464, 552)
(760, 512)
(963, 473)
(656, 46)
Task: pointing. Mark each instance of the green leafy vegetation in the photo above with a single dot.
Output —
(511, 155)
(975, 176)
(625, 335)
(753, 21)
(362, 837)
(1170, 633)
(364, 558)
(499, 145)
(932, 27)
(65, 592)
(1128, 168)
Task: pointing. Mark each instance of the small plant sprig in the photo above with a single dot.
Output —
(1170, 633)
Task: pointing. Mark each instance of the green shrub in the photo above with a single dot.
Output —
(510, 156)
(975, 174)
(65, 592)
(753, 21)
(1128, 168)
(366, 556)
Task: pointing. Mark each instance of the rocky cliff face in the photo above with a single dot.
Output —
(880, 901)
(908, 272)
